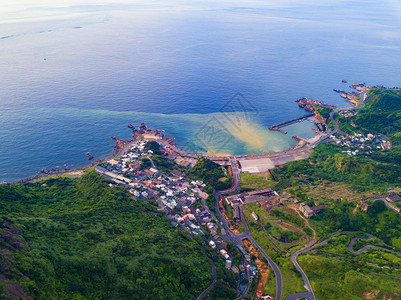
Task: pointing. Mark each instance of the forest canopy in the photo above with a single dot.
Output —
(86, 240)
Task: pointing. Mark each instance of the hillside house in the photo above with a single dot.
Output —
(306, 210)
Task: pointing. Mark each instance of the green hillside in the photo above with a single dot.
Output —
(85, 240)
(382, 114)
(343, 176)
(327, 163)
(211, 173)
(383, 100)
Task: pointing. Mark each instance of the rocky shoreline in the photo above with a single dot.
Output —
(308, 104)
(118, 149)
(315, 106)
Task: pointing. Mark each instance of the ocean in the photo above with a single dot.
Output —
(74, 73)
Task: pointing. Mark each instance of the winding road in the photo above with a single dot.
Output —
(367, 247)
(362, 103)
(310, 294)
(237, 239)
(213, 271)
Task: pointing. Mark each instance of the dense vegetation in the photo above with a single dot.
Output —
(90, 241)
(153, 146)
(334, 278)
(341, 215)
(336, 273)
(159, 160)
(326, 163)
(383, 100)
(324, 111)
(145, 163)
(211, 173)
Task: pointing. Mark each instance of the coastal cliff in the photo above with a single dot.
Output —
(313, 107)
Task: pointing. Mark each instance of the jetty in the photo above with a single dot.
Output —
(277, 127)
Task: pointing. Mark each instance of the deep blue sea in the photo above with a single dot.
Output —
(74, 73)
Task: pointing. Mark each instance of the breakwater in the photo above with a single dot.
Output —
(277, 127)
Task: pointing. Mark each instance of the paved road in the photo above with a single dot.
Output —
(362, 103)
(277, 272)
(310, 294)
(383, 198)
(367, 247)
(237, 239)
(299, 296)
(213, 271)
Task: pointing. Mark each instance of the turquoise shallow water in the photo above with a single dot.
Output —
(77, 131)
(75, 73)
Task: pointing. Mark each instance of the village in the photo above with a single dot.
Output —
(177, 196)
(151, 167)
(183, 201)
(358, 144)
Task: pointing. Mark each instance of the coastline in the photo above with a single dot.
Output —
(302, 144)
(41, 175)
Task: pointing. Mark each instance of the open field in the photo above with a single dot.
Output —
(327, 191)
(256, 181)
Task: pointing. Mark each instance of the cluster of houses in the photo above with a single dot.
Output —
(173, 191)
(179, 196)
(361, 144)
(194, 221)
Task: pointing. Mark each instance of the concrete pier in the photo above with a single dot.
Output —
(277, 127)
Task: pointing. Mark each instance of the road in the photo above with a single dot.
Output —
(361, 103)
(213, 271)
(383, 198)
(367, 247)
(277, 272)
(237, 239)
(236, 174)
(310, 294)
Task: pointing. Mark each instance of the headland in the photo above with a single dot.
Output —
(318, 113)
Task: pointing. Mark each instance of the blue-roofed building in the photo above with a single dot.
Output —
(100, 169)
